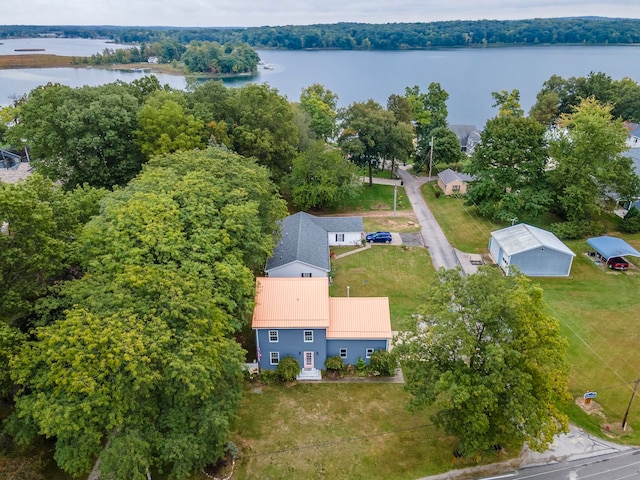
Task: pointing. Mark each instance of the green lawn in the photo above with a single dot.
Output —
(402, 274)
(598, 309)
(374, 198)
(599, 312)
(463, 226)
(338, 431)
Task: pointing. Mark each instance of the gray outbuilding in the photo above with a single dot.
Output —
(534, 251)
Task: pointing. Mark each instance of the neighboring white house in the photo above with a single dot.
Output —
(303, 248)
(535, 252)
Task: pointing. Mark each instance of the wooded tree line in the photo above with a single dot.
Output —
(128, 259)
(197, 56)
(389, 36)
(566, 157)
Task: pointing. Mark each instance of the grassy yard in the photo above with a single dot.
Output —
(338, 431)
(598, 310)
(402, 274)
(376, 198)
(463, 226)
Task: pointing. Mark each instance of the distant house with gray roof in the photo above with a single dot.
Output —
(303, 248)
(534, 251)
(451, 182)
(633, 141)
(468, 135)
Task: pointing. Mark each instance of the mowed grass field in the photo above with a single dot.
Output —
(402, 274)
(345, 431)
(599, 314)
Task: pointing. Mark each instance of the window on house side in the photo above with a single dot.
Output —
(308, 336)
(343, 353)
(339, 237)
(369, 352)
(275, 358)
(273, 336)
(306, 275)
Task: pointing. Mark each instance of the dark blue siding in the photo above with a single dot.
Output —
(355, 349)
(291, 344)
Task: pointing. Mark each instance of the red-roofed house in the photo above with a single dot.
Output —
(296, 317)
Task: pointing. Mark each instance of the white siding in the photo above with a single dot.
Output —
(296, 269)
(350, 238)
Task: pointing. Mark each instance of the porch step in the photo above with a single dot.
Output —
(309, 374)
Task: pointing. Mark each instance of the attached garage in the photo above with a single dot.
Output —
(534, 251)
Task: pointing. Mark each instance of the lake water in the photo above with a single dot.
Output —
(468, 75)
(80, 47)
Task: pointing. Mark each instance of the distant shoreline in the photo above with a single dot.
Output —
(25, 61)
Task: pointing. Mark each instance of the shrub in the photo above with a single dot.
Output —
(361, 367)
(334, 363)
(269, 376)
(631, 222)
(578, 229)
(288, 369)
(383, 362)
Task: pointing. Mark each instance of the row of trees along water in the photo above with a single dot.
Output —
(128, 259)
(388, 36)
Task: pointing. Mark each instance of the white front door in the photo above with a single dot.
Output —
(308, 360)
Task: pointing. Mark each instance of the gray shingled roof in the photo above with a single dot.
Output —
(447, 176)
(304, 239)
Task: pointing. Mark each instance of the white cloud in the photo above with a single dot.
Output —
(205, 13)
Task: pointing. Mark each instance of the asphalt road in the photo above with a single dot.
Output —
(617, 466)
(442, 253)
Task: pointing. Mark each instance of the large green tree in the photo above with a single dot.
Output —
(430, 116)
(321, 105)
(560, 96)
(41, 223)
(372, 136)
(165, 126)
(489, 360)
(263, 128)
(81, 135)
(509, 165)
(588, 160)
(137, 363)
(141, 372)
(322, 177)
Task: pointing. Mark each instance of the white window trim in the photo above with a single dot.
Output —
(274, 356)
(277, 336)
(304, 336)
(369, 352)
(345, 353)
(339, 237)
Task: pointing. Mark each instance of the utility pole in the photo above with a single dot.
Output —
(624, 420)
(395, 197)
(431, 157)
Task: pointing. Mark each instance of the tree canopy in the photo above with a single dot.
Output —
(322, 177)
(509, 164)
(490, 361)
(136, 361)
(589, 165)
(82, 135)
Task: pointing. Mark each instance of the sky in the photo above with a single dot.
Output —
(252, 13)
